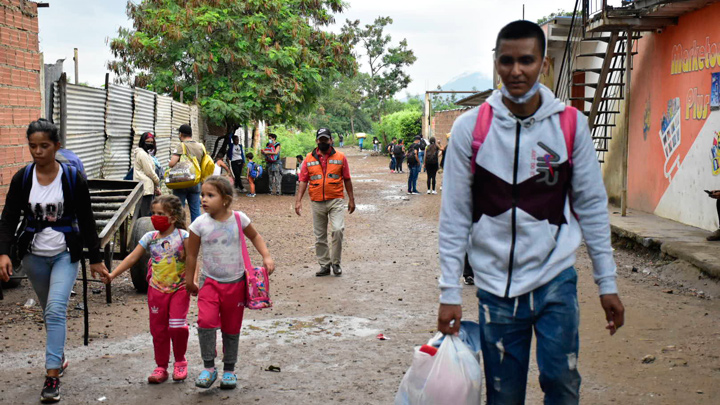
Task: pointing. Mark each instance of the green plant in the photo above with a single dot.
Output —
(401, 125)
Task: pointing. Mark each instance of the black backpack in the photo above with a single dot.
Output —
(397, 149)
(410, 155)
(431, 154)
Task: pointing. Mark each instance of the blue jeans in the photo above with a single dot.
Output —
(421, 156)
(392, 164)
(192, 195)
(506, 329)
(413, 178)
(52, 278)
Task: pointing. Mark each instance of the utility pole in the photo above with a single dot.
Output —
(523, 11)
(626, 146)
(75, 58)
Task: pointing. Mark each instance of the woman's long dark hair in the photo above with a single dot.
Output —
(146, 147)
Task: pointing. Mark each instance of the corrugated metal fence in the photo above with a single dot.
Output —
(103, 126)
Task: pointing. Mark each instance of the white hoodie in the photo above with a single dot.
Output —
(517, 204)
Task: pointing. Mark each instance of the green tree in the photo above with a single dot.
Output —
(341, 108)
(386, 62)
(242, 60)
(404, 124)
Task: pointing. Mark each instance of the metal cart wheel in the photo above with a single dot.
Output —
(139, 270)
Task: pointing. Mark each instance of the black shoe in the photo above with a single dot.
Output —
(337, 270)
(324, 271)
(51, 390)
(469, 280)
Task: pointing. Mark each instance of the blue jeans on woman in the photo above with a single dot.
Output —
(52, 278)
(413, 178)
(506, 329)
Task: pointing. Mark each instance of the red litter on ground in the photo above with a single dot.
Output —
(382, 337)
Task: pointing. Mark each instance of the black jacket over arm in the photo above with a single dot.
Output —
(77, 206)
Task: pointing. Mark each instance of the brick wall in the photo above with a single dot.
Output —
(19, 84)
(443, 121)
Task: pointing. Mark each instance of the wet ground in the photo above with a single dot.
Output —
(322, 332)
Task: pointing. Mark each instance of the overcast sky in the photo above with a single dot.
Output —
(449, 37)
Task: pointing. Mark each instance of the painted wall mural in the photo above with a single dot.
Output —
(677, 75)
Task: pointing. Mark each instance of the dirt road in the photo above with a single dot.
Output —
(321, 332)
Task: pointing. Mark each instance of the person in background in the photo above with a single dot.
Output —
(252, 173)
(376, 144)
(360, 142)
(54, 200)
(191, 147)
(341, 140)
(431, 165)
(421, 152)
(144, 170)
(413, 162)
(393, 163)
(236, 156)
(399, 153)
(299, 159)
(274, 165)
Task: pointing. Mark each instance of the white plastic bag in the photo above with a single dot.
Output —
(452, 376)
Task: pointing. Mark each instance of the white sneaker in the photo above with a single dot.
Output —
(409, 193)
(429, 192)
(434, 192)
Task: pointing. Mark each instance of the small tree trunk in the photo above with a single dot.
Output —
(352, 125)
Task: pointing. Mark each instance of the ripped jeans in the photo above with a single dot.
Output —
(506, 329)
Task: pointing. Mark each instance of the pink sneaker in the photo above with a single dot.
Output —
(158, 376)
(180, 370)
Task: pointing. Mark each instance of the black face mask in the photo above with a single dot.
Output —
(149, 147)
(324, 147)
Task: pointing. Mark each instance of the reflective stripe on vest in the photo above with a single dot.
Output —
(326, 184)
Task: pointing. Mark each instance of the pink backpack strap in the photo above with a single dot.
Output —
(568, 124)
(482, 127)
(241, 234)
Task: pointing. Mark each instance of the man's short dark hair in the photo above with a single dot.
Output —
(185, 130)
(271, 135)
(522, 29)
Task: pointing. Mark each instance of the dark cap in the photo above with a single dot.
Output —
(185, 129)
(417, 137)
(323, 132)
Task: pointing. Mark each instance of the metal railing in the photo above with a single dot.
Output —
(563, 87)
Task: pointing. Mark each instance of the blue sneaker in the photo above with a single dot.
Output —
(206, 379)
(229, 381)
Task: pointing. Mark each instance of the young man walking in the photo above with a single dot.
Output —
(522, 188)
(236, 155)
(191, 194)
(328, 173)
(274, 165)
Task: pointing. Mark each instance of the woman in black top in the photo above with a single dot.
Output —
(54, 201)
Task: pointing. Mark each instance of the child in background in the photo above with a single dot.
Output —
(252, 173)
(222, 285)
(167, 298)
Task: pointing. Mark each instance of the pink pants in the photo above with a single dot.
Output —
(221, 306)
(168, 322)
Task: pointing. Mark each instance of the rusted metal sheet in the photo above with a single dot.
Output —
(180, 116)
(163, 128)
(143, 114)
(118, 127)
(85, 124)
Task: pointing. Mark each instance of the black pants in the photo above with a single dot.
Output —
(717, 204)
(432, 170)
(467, 271)
(146, 205)
(237, 167)
(398, 162)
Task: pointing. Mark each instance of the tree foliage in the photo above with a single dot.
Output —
(341, 108)
(242, 60)
(559, 13)
(404, 124)
(387, 63)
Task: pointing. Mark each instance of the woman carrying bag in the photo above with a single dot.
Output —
(54, 201)
(144, 170)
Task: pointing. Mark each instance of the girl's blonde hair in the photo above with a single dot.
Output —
(223, 186)
(173, 207)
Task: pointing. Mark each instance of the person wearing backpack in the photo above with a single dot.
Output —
(413, 162)
(389, 150)
(53, 200)
(195, 149)
(431, 165)
(522, 188)
(254, 171)
(399, 152)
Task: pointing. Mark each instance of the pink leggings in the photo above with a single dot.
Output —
(168, 322)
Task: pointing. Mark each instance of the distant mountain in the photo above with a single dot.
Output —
(468, 81)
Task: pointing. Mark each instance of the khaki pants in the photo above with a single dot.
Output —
(328, 212)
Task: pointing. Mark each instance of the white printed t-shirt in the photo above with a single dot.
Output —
(47, 203)
(221, 250)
